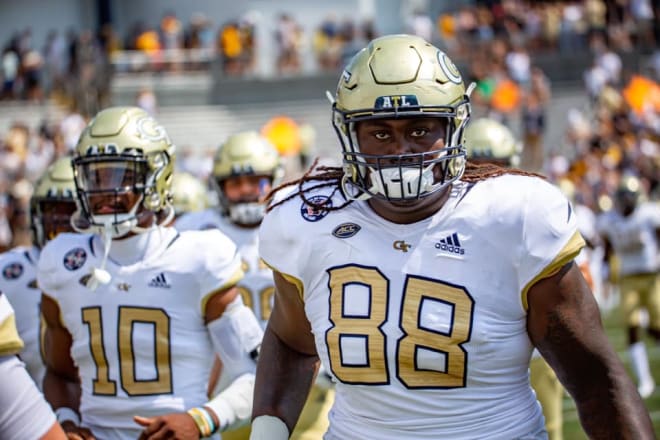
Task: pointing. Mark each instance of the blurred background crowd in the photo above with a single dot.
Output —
(577, 81)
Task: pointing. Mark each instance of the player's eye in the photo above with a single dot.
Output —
(381, 135)
(419, 132)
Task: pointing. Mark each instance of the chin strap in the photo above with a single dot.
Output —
(99, 275)
(350, 193)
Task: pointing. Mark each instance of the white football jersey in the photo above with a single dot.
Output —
(633, 238)
(423, 325)
(257, 286)
(19, 283)
(10, 341)
(140, 342)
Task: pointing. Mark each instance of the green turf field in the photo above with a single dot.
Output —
(617, 335)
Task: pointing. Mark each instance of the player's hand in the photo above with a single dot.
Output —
(169, 426)
(74, 432)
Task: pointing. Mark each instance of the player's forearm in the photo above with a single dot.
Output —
(284, 378)
(614, 410)
(607, 402)
(61, 391)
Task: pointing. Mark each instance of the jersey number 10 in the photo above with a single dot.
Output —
(128, 317)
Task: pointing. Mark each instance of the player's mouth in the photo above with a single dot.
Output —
(109, 209)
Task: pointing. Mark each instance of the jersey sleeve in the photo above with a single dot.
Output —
(49, 278)
(550, 235)
(222, 263)
(651, 212)
(279, 246)
(10, 341)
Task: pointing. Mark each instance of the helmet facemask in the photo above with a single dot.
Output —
(245, 212)
(116, 190)
(53, 202)
(401, 177)
(50, 216)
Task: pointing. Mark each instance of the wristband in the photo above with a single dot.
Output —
(203, 420)
(269, 428)
(65, 414)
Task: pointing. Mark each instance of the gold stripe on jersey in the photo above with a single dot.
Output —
(291, 279)
(238, 276)
(266, 299)
(569, 252)
(10, 342)
(296, 282)
(42, 337)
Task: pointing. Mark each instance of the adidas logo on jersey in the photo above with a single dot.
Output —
(450, 244)
(159, 281)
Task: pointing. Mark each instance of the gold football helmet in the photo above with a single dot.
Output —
(53, 202)
(245, 154)
(629, 192)
(488, 140)
(125, 158)
(189, 194)
(401, 76)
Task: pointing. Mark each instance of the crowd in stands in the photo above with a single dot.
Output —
(466, 31)
(616, 132)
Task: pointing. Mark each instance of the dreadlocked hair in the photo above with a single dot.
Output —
(474, 172)
(327, 176)
(331, 176)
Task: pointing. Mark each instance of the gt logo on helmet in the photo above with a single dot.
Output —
(449, 68)
(150, 130)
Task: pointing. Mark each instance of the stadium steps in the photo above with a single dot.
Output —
(206, 126)
(29, 113)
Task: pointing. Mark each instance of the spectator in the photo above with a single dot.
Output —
(287, 36)
(10, 65)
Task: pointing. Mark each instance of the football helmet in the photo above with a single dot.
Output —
(400, 76)
(53, 202)
(189, 194)
(628, 194)
(123, 166)
(245, 154)
(487, 140)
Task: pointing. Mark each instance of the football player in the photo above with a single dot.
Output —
(23, 411)
(423, 283)
(51, 206)
(489, 141)
(189, 194)
(246, 167)
(632, 234)
(136, 311)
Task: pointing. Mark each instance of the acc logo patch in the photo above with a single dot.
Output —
(75, 258)
(12, 271)
(315, 213)
(346, 230)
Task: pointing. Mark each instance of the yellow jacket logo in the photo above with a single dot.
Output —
(401, 245)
